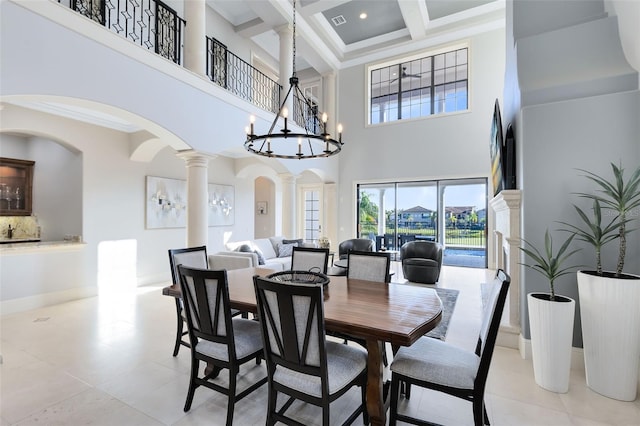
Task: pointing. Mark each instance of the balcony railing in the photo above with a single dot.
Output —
(149, 23)
(234, 74)
(155, 26)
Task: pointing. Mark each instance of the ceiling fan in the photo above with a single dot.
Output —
(405, 75)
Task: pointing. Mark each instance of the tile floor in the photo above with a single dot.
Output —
(107, 361)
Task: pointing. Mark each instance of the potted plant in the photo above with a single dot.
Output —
(610, 300)
(551, 317)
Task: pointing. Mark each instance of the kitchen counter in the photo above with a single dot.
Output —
(20, 246)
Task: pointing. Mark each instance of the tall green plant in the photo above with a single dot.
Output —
(593, 232)
(621, 197)
(548, 264)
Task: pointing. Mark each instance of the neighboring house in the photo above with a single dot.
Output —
(416, 217)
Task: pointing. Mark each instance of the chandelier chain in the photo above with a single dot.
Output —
(294, 38)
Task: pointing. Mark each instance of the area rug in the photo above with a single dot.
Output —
(449, 298)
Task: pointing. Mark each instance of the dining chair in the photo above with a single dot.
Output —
(195, 257)
(218, 339)
(369, 266)
(310, 259)
(434, 364)
(301, 363)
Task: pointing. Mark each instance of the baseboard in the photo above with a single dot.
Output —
(22, 304)
(577, 354)
(508, 337)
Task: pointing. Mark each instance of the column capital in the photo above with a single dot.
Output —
(288, 177)
(285, 29)
(195, 158)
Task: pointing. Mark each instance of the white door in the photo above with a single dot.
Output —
(310, 212)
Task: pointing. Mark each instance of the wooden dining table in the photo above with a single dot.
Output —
(376, 312)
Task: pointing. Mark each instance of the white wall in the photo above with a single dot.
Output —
(450, 146)
(113, 206)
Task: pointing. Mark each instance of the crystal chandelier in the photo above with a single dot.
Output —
(315, 142)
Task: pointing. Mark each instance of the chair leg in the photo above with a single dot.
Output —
(192, 384)
(232, 396)
(479, 414)
(395, 395)
(365, 413)
(486, 417)
(271, 405)
(179, 325)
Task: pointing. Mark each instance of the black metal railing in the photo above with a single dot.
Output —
(234, 74)
(305, 114)
(149, 23)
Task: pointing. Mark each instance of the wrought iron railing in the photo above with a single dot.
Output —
(149, 23)
(234, 74)
(305, 114)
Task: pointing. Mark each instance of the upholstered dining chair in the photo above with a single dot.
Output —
(310, 259)
(369, 266)
(195, 257)
(301, 363)
(434, 364)
(216, 338)
(421, 261)
(357, 244)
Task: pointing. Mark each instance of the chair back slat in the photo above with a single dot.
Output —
(369, 266)
(310, 259)
(206, 296)
(292, 325)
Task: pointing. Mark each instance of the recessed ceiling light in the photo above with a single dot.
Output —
(363, 15)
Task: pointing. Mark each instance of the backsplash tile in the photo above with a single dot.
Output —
(23, 227)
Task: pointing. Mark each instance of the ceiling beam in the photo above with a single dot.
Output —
(416, 17)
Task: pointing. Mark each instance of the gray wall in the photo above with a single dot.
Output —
(448, 146)
(584, 114)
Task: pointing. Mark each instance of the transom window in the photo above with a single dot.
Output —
(420, 87)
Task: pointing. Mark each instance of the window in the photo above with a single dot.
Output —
(419, 87)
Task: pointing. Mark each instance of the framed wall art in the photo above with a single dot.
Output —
(166, 203)
(221, 205)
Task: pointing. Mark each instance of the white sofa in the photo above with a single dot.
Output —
(269, 247)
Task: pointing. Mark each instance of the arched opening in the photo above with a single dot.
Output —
(265, 212)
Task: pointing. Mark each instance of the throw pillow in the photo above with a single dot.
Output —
(244, 248)
(260, 256)
(297, 241)
(285, 250)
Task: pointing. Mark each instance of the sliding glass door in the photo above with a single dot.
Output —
(452, 212)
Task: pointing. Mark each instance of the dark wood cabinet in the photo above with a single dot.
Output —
(16, 186)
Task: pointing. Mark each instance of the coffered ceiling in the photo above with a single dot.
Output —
(333, 34)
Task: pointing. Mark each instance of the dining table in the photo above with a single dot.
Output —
(372, 311)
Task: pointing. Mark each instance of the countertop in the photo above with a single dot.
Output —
(22, 246)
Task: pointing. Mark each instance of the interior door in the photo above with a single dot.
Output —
(311, 197)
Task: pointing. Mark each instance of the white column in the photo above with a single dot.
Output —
(195, 42)
(329, 102)
(288, 205)
(197, 197)
(286, 63)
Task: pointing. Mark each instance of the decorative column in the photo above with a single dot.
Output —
(197, 197)
(195, 42)
(288, 205)
(506, 207)
(285, 32)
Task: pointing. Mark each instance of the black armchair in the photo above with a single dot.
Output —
(421, 261)
(355, 244)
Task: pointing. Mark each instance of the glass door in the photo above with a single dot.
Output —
(311, 197)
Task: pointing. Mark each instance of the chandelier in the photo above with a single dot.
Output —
(315, 142)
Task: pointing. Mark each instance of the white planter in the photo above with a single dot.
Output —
(610, 313)
(551, 326)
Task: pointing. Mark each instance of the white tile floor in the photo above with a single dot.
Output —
(107, 361)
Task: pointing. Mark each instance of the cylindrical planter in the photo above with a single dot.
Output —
(551, 327)
(610, 313)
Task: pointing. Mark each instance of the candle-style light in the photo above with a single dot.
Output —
(305, 116)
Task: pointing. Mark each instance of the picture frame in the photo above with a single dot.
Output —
(221, 204)
(166, 203)
(261, 207)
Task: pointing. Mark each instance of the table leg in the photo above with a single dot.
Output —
(375, 400)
